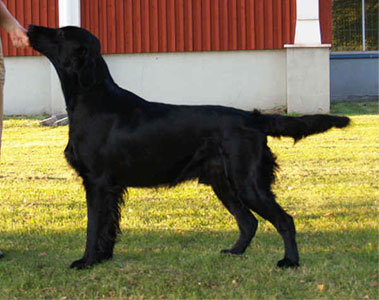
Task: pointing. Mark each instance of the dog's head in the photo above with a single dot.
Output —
(73, 51)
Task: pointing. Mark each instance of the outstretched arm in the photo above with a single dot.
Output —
(16, 32)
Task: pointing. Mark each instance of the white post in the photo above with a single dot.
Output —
(307, 23)
(308, 88)
(69, 13)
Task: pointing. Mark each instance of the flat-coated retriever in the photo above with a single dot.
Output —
(119, 140)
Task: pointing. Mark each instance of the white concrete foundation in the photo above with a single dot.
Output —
(296, 77)
(242, 79)
(308, 88)
(27, 89)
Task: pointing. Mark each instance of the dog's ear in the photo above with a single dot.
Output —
(85, 68)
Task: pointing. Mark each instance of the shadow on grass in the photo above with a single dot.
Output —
(162, 248)
(186, 264)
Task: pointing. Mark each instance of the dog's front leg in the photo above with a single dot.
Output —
(103, 212)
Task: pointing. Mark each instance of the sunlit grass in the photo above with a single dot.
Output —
(171, 237)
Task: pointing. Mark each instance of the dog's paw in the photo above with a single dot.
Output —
(232, 252)
(84, 263)
(89, 260)
(287, 263)
(79, 264)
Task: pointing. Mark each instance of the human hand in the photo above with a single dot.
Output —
(18, 36)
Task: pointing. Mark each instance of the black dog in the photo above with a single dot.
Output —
(119, 140)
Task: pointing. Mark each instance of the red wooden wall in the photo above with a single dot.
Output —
(135, 26)
(189, 25)
(39, 12)
(326, 21)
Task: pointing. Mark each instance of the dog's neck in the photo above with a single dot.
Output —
(72, 88)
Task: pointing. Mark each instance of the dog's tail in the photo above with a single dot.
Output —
(297, 127)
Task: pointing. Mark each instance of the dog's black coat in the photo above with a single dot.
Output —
(119, 140)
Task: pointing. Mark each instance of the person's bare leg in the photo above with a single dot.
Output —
(2, 79)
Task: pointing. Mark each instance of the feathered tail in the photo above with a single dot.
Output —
(297, 127)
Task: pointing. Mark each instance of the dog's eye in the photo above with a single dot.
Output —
(81, 51)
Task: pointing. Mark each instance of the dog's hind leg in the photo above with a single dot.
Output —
(251, 167)
(257, 195)
(103, 211)
(269, 209)
(247, 223)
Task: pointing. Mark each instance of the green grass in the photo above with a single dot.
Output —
(356, 107)
(171, 237)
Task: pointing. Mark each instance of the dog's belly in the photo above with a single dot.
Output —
(149, 173)
(156, 162)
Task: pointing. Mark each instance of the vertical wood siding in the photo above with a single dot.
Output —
(140, 26)
(136, 26)
(326, 21)
(38, 12)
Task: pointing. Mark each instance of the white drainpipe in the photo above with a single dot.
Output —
(69, 13)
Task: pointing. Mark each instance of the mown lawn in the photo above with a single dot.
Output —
(172, 237)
